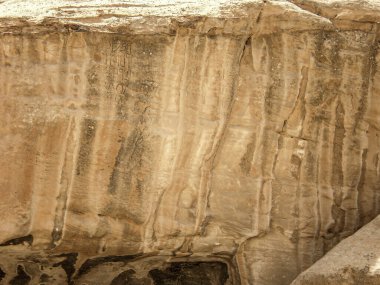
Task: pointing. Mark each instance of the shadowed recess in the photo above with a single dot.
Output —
(191, 273)
(26, 239)
(21, 278)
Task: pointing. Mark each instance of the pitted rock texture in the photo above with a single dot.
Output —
(154, 142)
(354, 261)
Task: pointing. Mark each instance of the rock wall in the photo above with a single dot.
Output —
(234, 143)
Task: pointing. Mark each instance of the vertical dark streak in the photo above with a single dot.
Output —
(68, 265)
(2, 274)
(361, 195)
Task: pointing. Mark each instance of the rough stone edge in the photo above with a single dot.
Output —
(338, 266)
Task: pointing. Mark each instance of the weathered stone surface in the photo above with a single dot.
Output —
(147, 141)
(354, 261)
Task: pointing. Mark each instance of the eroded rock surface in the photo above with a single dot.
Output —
(151, 143)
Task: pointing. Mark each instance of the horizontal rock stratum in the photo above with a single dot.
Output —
(184, 142)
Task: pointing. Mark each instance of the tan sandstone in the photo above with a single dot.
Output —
(223, 142)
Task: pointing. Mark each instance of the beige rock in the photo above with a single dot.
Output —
(354, 261)
(150, 141)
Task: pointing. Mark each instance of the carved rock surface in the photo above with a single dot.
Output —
(354, 261)
(155, 142)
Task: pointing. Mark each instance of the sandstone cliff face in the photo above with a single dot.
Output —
(148, 143)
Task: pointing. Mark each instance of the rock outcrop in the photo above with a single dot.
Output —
(146, 142)
(354, 261)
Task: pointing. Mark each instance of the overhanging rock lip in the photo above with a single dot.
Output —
(238, 17)
(136, 16)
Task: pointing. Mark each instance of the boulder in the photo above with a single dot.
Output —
(354, 261)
